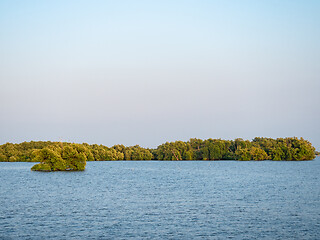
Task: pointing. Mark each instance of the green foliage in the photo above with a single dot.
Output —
(136, 153)
(68, 158)
(216, 149)
(73, 156)
(258, 154)
(48, 157)
(44, 167)
(103, 153)
(252, 153)
(178, 150)
(243, 154)
(3, 157)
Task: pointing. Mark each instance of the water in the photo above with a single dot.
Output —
(162, 200)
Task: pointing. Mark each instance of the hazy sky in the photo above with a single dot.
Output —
(147, 72)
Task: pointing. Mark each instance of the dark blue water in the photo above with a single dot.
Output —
(162, 200)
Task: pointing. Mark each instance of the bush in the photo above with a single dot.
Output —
(44, 167)
(59, 159)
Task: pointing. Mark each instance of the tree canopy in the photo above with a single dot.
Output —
(64, 158)
(72, 156)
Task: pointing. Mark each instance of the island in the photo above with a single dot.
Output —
(68, 158)
(63, 156)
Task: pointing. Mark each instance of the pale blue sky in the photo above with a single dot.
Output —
(146, 72)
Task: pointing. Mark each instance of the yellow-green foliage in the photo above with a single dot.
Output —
(59, 159)
(51, 158)
(75, 159)
(44, 167)
(195, 149)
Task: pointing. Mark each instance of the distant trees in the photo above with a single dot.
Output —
(195, 149)
(21, 152)
(174, 151)
(252, 153)
(239, 149)
(103, 153)
(136, 153)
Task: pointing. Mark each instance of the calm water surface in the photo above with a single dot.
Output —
(162, 200)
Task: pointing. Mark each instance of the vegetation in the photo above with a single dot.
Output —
(64, 158)
(57, 156)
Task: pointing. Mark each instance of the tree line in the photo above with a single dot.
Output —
(259, 148)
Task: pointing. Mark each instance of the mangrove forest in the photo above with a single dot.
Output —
(72, 156)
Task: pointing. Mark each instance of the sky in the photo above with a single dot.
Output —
(146, 72)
